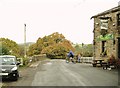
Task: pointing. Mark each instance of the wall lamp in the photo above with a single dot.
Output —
(113, 24)
(96, 23)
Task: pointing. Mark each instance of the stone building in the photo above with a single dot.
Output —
(107, 34)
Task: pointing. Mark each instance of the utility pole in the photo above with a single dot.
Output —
(25, 41)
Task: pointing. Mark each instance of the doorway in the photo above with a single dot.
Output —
(119, 48)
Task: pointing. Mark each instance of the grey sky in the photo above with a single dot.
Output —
(43, 17)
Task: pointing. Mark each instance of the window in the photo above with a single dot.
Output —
(118, 48)
(104, 24)
(118, 19)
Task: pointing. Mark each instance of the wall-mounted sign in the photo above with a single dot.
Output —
(106, 37)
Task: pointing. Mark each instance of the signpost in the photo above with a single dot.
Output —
(25, 41)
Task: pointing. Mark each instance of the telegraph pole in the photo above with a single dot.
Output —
(25, 41)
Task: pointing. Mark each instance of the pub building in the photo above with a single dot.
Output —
(106, 31)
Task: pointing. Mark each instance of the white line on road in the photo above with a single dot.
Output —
(35, 64)
(49, 63)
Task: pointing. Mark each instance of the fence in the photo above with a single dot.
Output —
(39, 57)
(86, 59)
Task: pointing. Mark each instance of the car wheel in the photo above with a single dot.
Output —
(15, 79)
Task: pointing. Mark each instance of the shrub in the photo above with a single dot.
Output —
(25, 61)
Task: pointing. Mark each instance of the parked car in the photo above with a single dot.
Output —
(9, 67)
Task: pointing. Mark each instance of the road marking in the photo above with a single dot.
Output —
(35, 64)
(49, 63)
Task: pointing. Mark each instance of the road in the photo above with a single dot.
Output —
(59, 73)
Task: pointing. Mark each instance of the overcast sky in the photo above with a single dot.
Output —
(43, 17)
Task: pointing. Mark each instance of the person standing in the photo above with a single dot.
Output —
(79, 57)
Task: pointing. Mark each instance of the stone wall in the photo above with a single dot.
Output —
(111, 45)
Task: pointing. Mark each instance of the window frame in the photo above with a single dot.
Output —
(118, 19)
(103, 48)
(104, 24)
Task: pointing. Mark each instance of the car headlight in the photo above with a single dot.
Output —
(13, 69)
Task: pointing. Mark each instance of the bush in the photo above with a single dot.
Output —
(25, 61)
(111, 60)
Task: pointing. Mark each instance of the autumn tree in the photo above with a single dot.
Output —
(9, 47)
(32, 50)
(54, 46)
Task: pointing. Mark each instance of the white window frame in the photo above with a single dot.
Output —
(104, 24)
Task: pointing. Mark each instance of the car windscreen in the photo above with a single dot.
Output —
(7, 60)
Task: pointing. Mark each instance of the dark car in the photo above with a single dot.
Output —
(9, 67)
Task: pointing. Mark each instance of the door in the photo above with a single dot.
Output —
(119, 48)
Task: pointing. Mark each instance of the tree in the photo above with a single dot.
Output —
(4, 50)
(54, 46)
(32, 50)
(56, 51)
(86, 50)
(9, 46)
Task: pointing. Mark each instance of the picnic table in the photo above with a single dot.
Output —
(98, 61)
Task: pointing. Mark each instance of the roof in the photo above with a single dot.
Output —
(115, 9)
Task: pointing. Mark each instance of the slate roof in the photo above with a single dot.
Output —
(115, 9)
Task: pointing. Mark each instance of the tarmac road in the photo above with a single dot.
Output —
(59, 73)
